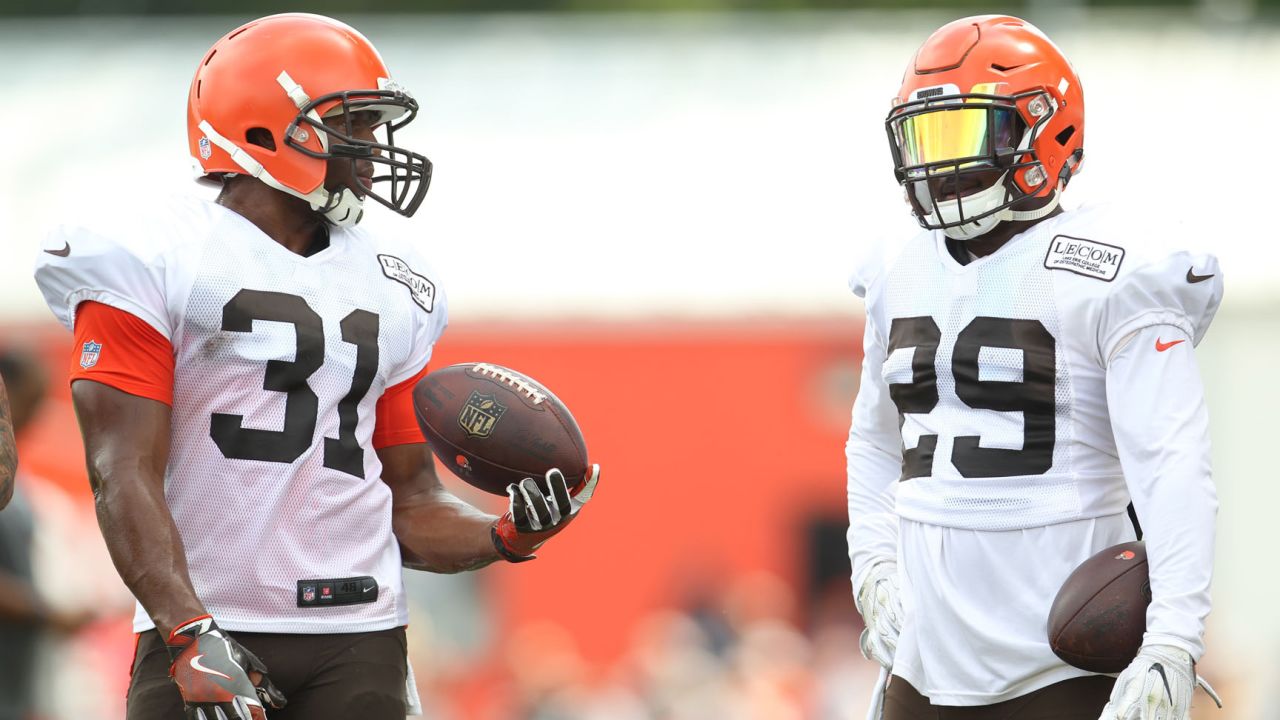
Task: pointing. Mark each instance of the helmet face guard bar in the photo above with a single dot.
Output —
(409, 173)
(991, 157)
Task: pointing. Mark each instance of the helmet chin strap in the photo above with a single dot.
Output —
(342, 208)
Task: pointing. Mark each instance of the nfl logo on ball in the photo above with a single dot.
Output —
(89, 354)
(480, 414)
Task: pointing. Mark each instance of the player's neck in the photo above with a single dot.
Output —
(288, 220)
(1003, 233)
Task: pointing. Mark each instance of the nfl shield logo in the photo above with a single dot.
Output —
(308, 593)
(205, 149)
(480, 414)
(89, 354)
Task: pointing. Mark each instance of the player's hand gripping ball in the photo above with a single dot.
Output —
(494, 427)
(533, 517)
(1157, 685)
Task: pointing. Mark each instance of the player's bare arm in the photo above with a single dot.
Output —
(126, 440)
(8, 450)
(437, 531)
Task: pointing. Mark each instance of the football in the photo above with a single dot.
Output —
(492, 426)
(1098, 618)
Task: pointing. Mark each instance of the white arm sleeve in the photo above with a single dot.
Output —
(1161, 426)
(874, 462)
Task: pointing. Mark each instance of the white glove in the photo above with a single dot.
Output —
(881, 607)
(1157, 685)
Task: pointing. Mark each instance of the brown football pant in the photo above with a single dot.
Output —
(324, 677)
(1075, 699)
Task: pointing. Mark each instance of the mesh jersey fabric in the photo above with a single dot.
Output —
(279, 362)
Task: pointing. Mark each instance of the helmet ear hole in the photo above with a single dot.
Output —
(1064, 137)
(261, 137)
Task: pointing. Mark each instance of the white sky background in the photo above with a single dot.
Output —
(686, 165)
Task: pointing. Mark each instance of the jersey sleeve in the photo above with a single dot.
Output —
(430, 318)
(77, 264)
(873, 455)
(396, 422)
(1181, 290)
(1157, 409)
(868, 268)
(118, 349)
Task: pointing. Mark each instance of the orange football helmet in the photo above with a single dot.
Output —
(282, 75)
(990, 113)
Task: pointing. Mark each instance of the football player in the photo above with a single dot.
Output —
(8, 450)
(1029, 372)
(242, 376)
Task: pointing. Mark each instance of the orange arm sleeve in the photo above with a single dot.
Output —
(116, 348)
(395, 420)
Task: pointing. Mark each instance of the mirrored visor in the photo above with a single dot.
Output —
(966, 133)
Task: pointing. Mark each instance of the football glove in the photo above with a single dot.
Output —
(1157, 685)
(881, 606)
(532, 517)
(214, 672)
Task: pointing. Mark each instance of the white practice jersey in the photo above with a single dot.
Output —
(280, 360)
(983, 456)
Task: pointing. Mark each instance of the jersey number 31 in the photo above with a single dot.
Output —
(301, 407)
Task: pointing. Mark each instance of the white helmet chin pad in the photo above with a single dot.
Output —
(345, 209)
(976, 205)
(974, 229)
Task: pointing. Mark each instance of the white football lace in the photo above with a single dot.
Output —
(535, 395)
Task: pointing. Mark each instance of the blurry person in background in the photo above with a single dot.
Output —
(242, 374)
(24, 615)
(1029, 371)
(8, 449)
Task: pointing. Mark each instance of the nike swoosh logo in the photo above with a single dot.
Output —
(1161, 347)
(65, 251)
(1192, 277)
(195, 663)
(369, 589)
(1158, 668)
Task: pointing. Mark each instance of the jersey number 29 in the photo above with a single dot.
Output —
(1033, 396)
